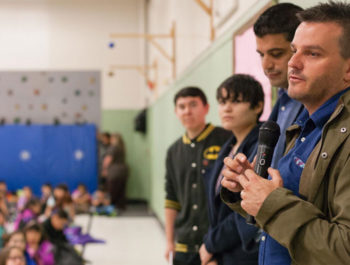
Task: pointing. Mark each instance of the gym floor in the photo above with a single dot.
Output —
(134, 237)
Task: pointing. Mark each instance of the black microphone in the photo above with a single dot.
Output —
(269, 133)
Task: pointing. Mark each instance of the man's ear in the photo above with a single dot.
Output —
(347, 71)
(207, 107)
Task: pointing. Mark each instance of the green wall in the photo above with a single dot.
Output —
(137, 148)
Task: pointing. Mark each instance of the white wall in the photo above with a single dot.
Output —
(74, 35)
(192, 32)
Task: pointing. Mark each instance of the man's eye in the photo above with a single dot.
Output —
(277, 54)
(181, 106)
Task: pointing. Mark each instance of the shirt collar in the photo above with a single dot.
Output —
(323, 113)
(283, 96)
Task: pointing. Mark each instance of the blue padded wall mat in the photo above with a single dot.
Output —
(37, 154)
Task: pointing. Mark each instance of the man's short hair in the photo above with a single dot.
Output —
(241, 87)
(337, 12)
(191, 91)
(278, 19)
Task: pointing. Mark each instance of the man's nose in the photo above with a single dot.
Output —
(267, 63)
(187, 110)
(295, 62)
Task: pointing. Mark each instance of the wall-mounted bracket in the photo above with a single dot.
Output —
(209, 10)
(152, 38)
(142, 70)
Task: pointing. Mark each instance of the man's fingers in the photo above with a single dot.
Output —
(237, 164)
(233, 165)
(243, 181)
(230, 174)
(275, 177)
(230, 185)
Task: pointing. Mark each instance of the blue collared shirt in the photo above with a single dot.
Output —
(291, 167)
(284, 113)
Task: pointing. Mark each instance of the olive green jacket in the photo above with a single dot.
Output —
(316, 227)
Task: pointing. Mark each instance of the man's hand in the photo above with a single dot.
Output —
(170, 248)
(234, 167)
(256, 189)
(205, 255)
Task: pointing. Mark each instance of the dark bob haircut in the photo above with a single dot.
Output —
(241, 88)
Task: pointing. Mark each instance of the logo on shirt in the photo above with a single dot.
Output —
(211, 153)
(299, 162)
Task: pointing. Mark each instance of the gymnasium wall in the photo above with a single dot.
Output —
(207, 72)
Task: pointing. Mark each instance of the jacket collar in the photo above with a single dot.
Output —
(204, 134)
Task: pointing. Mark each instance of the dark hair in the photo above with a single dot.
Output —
(5, 253)
(336, 12)
(62, 186)
(62, 214)
(278, 19)
(34, 225)
(66, 197)
(32, 202)
(191, 91)
(48, 185)
(241, 87)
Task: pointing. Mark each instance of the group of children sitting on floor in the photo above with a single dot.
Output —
(35, 231)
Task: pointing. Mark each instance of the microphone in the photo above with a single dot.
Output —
(269, 133)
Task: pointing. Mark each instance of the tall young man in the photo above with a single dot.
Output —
(274, 31)
(305, 206)
(188, 162)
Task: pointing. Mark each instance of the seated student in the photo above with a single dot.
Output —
(17, 239)
(101, 203)
(12, 200)
(229, 239)
(38, 248)
(12, 256)
(30, 212)
(47, 199)
(64, 200)
(53, 227)
(81, 199)
(25, 195)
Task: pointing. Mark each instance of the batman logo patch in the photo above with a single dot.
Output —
(211, 153)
